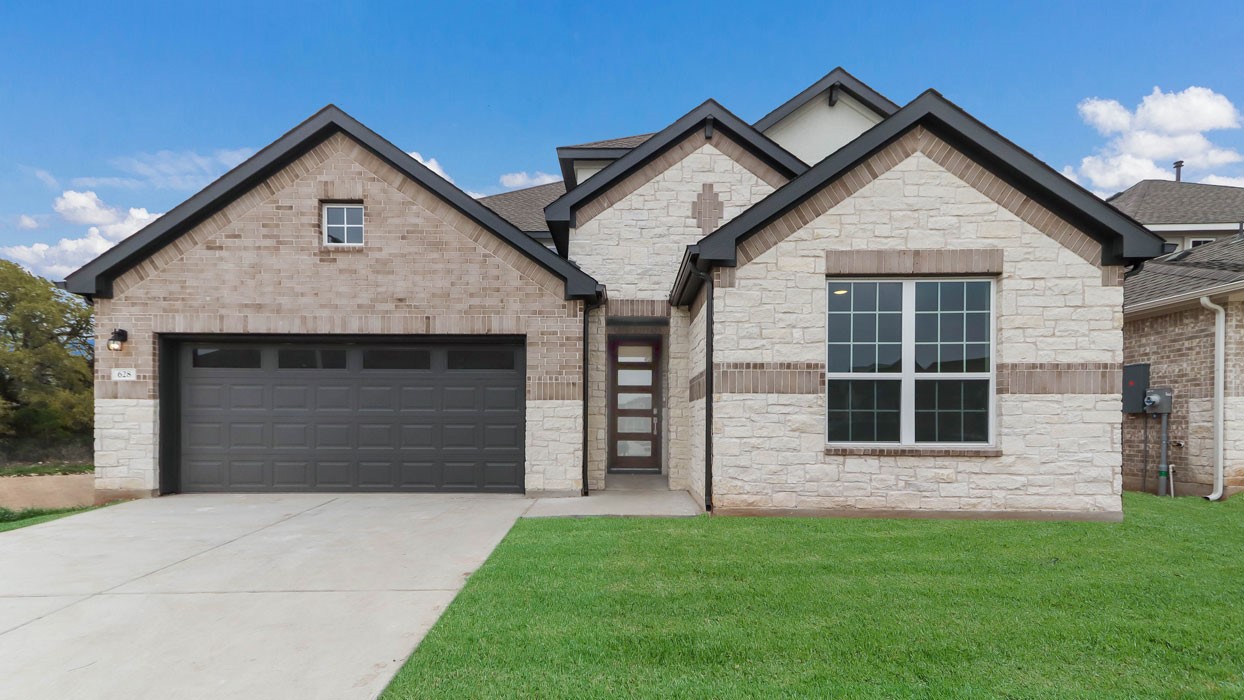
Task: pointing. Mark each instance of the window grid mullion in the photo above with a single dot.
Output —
(907, 401)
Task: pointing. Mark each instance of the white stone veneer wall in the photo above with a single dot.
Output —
(554, 446)
(1059, 452)
(678, 434)
(635, 246)
(126, 444)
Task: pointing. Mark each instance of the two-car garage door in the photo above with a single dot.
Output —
(351, 417)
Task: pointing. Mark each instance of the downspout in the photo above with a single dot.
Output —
(587, 307)
(1220, 361)
(708, 387)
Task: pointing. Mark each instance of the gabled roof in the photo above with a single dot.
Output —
(1123, 240)
(560, 213)
(1170, 202)
(95, 278)
(1185, 273)
(525, 208)
(835, 79)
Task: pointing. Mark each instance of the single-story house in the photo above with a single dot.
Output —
(1184, 317)
(846, 305)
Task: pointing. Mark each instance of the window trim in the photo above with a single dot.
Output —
(908, 376)
(324, 207)
(1194, 241)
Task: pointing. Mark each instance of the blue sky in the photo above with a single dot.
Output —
(134, 106)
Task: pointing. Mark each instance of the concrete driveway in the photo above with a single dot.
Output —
(238, 596)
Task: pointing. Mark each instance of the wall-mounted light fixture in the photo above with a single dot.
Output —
(116, 341)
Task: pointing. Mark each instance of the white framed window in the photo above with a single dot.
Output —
(910, 361)
(1194, 242)
(343, 224)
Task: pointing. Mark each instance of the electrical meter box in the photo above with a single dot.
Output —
(1135, 384)
(1158, 400)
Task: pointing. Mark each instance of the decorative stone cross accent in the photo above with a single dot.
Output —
(707, 209)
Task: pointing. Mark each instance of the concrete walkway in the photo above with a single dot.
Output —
(215, 596)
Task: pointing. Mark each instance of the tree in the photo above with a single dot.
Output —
(47, 358)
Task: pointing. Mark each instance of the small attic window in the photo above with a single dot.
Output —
(343, 224)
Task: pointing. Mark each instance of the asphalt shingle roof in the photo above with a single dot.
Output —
(623, 142)
(525, 208)
(1187, 271)
(1169, 202)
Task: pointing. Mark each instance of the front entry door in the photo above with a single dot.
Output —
(635, 405)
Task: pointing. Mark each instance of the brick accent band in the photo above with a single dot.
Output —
(965, 261)
(1060, 378)
(1012, 378)
(637, 308)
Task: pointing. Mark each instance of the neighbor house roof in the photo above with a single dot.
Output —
(1170, 202)
(560, 214)
(835, 79)
(525, 208)
(1186, 274)
(95, 278)
(1122, 238)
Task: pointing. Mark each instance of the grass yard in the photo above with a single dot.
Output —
(45, 469)
(752, 607)
(13, 519)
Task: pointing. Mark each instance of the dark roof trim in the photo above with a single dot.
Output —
(835, 78)
(95, 278)
(1123, 240)
(560, 213)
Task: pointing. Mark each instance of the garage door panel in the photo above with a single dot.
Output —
(410, 422)
(291, 436)
(247, 435)
(460, 474)
(246, 474)
(332, 398)
(417, 399)
(376, 475)
(291, 475)
(377, 398)
(375, 436)
(330, 436)
(246, 396)
(291, 397)
(460, 398)
(333, 473)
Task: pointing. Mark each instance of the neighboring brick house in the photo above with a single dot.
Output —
(844, 306)
(1168, 327)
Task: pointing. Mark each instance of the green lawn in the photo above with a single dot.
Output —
(13, 519)
(753, 607)
(45, 469)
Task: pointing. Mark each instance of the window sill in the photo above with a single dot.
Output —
(911, 451)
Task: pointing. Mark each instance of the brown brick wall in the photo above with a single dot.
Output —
(258, 266)
(1179, 348)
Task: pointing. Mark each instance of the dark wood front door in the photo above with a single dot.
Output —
(635, 405)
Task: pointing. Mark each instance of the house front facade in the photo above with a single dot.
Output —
(845, 306)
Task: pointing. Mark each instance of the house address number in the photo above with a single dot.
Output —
(124, 375)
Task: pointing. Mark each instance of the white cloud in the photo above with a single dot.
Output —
(1223, 180)
(524, 179)
(46, 178)
(27, 222)
(432, 164)
(107, 226)
(169, 170)
(1164, 127)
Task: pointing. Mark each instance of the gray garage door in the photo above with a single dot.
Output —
(340, 417)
